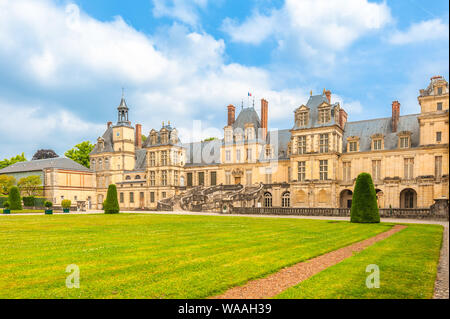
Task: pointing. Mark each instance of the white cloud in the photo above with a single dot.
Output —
(419, 32)
(329, 24)
(182, 10)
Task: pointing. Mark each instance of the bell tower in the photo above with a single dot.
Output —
(122, 117)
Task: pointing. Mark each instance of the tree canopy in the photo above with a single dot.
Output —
(80, 153)
(44, 154)
(6, 182)
(30, 185)
(6, 162)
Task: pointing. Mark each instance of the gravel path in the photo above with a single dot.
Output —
(441, 284)
(274, 284)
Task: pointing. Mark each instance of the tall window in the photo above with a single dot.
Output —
(152, 197)
(175, 178)
(131, 197)
(347, 171)
(268, 175)
(268, 152)
(404, 142)
(152, 178)
(302, 119)
(250, 133)
(189, 179)
(353, 146)
(249, 154)
(152, 159)
(121, 198)
(163, 158)
(228, 156)
(228, 178)
(438, 136)
(238, 156)
(175, 157)
(324, 116)
(409, 168)
(439, 106)
(440, 91)
(377, 144)
(267, 200)
(376, 169)
(248, 176)
(164, 178)
(228, 136)
(286, 199)
(201, 178)
(301, 144)
(323, 143)
(438, 167)
(301, 171)
(323, 170)
(213, 177)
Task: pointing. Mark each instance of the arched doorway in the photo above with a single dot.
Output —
(380, 198)
(408, 198)
(286, 199)
(267, 199)
(346, 198)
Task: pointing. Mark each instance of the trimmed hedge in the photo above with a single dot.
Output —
(28, 201)
(14, 198)
(66, 203)
(2, 200)
(364, 202)
(111, 205)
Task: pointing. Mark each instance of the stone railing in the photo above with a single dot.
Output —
(411, 213)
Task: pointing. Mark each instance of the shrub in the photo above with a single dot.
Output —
(6, 205)
(39, 201)
(3, 199)
(364, 203)
(66, 204)
(14, 198)
(111, 204)
(48, 204)
(28, 201)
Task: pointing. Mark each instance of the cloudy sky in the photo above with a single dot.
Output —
(63, 63)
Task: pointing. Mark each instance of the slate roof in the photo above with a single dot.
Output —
(141, 159)
(39, 165)
(365, 129)
(247, 115)
(158, 138)
(282, 137)
(313, 104)
(108, 137)
(203, 153)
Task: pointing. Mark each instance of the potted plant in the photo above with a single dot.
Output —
(66, 205)
(48, 205)
(6, 210)
(224, 209)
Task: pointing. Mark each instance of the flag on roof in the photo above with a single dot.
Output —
(249, 94)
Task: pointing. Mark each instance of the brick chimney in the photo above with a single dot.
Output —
(108, 125)
(395, 115)
(264, 113)
(342, 118)
(328, 95)
(138, 139)
(231, 114)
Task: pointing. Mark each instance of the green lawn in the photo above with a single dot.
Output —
(28, 211)
(159, 256)
(407, 262)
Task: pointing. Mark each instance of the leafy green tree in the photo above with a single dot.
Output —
(6, 162)
(14, 198)
(144, 138)
(30, 185)
(111, 204)
(80, 153)
(364, 202)
(44, 154)
(6, 182)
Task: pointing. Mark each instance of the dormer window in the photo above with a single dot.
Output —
(405, 141)
(353, 147)
(353, 144)
(249, 133)
(377, 142)
(324, 115)
(153, 137)
(439, 91)
(301, 116)
(164, 137)
(228, 136)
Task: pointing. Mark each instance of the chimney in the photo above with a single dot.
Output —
(108, 125)
(342, 118)
(231, 114)
(264, 112)
(328, 94)
(395, 115)
(138, 139)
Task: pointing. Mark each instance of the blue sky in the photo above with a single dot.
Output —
(63, 63)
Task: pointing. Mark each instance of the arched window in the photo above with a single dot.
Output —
(128, 177)
(286, 199)
(267, 199)
(137, 177)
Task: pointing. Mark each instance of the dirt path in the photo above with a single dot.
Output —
(441, 284)
(276, 283)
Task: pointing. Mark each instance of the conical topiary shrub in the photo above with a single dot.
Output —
(111, 205)
(364, 202)
(14, 198)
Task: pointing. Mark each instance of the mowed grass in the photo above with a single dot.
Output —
(407, 262)
(157, 256)
(27, 211)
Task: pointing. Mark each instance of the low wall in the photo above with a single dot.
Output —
(410, 213)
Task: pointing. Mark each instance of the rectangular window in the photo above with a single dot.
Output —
(164, 158)
(121, 197)
(404, 142)
(152, 159)
(408, 168)
(249, 154)
(303, 119)
(152, 178)
(323, 143)
(164, 178)
(347, 171)
(301, 144)
(228, 156)
(175, 178)
(213, 177)
(152, 197)
(438, 167)
(324, 116)
(228, 178)
(201, 178)
(301, 171)
(438, 136)
(376, 169)
(440, 91)
(268, 153)
(353, 146)
(439, 106)
(164, 194)
(248, 176)
(377, 144)
(238, 155)
(323, 170)
(189, 179)
(131, 197)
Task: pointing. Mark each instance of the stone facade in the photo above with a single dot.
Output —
(312, 164)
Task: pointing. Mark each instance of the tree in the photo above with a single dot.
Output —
(6, 182)
(364, 202)
(14, 198)
(144, 138)
(80, 153)
(30, 185)
(44, 154)
(111, 205)
(18, 158)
